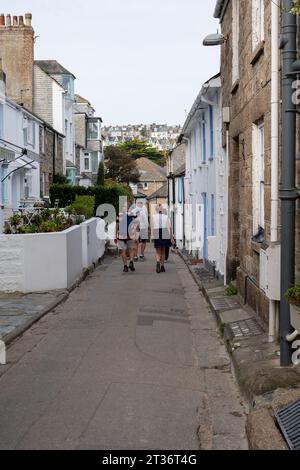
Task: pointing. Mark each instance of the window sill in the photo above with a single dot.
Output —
(257, 53)
(235, 87)
(256, 246)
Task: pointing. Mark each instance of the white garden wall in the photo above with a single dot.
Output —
(38, 262)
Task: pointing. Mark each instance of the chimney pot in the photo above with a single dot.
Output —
(21, 21)
(15, 21)
(28, 18)
(8, 20)
(2, 20)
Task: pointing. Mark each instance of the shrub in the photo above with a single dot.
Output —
(109, 194)
(231, 291)
(292, 295)
(101, 175)
(83, 205)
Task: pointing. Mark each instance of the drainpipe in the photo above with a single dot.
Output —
(227, 201)
(275, 6)
(288, 192)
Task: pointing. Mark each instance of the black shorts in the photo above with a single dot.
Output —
(141, 240)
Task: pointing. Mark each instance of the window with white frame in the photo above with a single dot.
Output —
(235, 39)
(86, 162)
(93, 129)
(258, 22)
(95, 162)
(258, 176)
(29, 131)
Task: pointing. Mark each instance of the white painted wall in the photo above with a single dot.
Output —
(58, 107)
(15, 120)
(89, 242)
(39, 262)
(206, 176)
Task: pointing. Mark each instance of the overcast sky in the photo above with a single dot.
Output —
(135, 60)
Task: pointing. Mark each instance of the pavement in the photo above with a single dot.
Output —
(128, 361)
(265, 386)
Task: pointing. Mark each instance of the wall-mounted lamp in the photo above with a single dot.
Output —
(214, 40)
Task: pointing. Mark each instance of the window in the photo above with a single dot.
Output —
(235, 40)
(213, 216)
(258, 177)
(87, 163)
(68, 84)
(93, 129)
(1, 120)
(28, 131)
(94, 162)
(145, 186)
(211, 124)
(203, 139)
(258, 21)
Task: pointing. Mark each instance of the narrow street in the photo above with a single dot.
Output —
(130, 361)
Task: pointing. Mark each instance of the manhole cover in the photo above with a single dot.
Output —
(288, 420)
(225, 303)
(245, 328)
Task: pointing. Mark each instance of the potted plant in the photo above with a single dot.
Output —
(292, 297)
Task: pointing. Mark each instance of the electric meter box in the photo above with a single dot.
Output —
(269, 277)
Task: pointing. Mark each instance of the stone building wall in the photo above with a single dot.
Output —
(249, 100)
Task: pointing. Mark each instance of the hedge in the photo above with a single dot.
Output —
(109, 194)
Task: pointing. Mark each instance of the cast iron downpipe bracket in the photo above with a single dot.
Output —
(289, 194)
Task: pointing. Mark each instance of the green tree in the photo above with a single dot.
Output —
(120, 167)
(137, 149)
(101, 174)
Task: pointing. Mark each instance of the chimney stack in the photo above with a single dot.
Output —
(8, 20)
(15, 21)
(2, 19)
(21, 21)
(28, 18)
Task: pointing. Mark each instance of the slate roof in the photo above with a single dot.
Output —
(52, 67)
(80, 99)
(150, 171)
(161, 193)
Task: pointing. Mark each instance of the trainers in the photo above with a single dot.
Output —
(158, 270)
(125, 270)
(131, 266)
(135, 258)
(162, 269)
(142, 258)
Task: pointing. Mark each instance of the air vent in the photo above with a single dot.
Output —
(288, 420)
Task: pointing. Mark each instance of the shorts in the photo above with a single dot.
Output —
(124, 245)
(143, 241)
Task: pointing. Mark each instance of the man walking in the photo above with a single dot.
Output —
(126, 237)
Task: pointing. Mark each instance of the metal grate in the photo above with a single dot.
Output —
(245, 328)
(288, 420)
(225, 303)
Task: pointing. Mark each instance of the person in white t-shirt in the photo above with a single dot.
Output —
(162, 235)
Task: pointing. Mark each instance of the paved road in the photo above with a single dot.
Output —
(130, 361)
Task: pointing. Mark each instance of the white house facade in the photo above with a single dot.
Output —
(206, 178)
(19, 155)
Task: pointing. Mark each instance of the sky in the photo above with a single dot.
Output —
(136, 61)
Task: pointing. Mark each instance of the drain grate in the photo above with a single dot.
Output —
(288, 420)
(245, 328)
(225, 303)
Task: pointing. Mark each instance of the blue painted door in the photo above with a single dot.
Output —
(205, 226)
